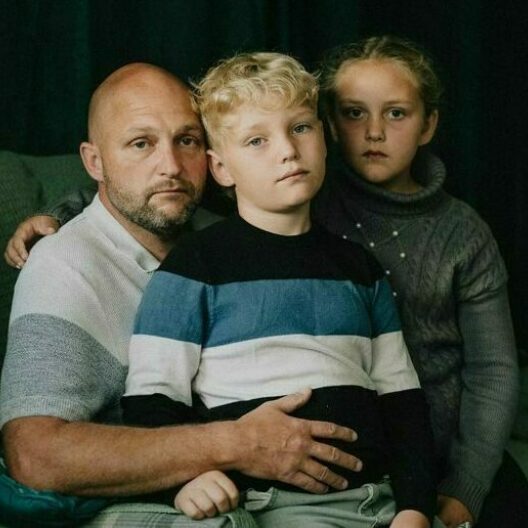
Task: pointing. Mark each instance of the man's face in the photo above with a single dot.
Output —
(152, 150)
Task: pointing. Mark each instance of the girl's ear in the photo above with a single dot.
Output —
(332, 128)
(92, 161)
(219, 170)
(429, 128)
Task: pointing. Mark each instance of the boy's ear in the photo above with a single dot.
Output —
(219, 170)
(429, 128)
(92, 161)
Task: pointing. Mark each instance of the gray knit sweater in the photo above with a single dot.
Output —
(450, 284)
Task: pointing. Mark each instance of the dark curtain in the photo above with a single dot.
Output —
(54, 52)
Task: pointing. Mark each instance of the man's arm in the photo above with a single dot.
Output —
(91, 459)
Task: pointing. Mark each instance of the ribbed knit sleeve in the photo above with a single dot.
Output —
(490, 380)
(71, 205)
(488, 400)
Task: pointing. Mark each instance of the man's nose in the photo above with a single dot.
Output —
(170, 161)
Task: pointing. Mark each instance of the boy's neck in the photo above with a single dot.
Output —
(284, 223)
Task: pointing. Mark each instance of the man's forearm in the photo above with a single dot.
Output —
(91, 459)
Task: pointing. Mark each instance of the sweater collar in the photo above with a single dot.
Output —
(427, 169)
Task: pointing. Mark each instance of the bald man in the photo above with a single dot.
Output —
(73, 312)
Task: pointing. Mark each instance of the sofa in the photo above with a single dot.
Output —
(30, 183)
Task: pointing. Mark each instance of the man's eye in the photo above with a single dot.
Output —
(140, 144)
(189, 141)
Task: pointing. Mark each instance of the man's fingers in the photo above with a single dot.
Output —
(331, 430)
(307, 483)
(290, 403)
(328, 453)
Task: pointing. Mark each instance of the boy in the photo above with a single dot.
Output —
(265, 303)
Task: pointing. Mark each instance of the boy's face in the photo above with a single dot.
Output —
(274, 158)
(379, 122)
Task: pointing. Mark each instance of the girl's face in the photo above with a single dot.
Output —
(379, 121)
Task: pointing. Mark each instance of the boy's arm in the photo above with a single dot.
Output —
(404, 412)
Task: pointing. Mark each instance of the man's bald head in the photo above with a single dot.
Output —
(135, 77)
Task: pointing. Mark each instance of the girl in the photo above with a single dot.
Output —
(381, 99)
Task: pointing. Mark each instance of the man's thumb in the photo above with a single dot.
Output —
(293, 401)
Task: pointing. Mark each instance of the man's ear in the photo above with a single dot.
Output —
(92, 161)
(429, 128)
(219, 170)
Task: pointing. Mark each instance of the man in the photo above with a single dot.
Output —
(73, 311)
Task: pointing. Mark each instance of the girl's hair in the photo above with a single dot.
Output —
(248, 78)
(386, 47)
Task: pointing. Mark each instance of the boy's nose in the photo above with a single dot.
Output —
(288, 150)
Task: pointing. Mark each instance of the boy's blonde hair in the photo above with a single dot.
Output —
(249, 78)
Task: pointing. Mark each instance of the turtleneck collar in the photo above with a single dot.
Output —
(428, 171)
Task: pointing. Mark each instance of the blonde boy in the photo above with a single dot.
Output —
(265, 303)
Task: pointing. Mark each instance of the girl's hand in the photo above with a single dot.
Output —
(207, 495)
(26, 234)
(452, 512)
(410, 519)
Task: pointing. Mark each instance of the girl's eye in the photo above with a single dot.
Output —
(396, 113)
(301, 128)
(353, 112)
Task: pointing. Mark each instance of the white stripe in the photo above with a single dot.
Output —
(161, 365)
(392, 368)
(280, 365)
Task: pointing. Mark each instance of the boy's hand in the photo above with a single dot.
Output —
(26, 234)
(207, 495)
(452, 512)
(410, 519)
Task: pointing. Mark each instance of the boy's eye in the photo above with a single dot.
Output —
(256, 142)
(396, 113)
(301, 128)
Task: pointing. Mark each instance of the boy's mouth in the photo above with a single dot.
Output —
(293, 174)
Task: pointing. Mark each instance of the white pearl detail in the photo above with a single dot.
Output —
(402, 255)
(371, 244)
(344, 236)
(394, 294)
(395, 233)
(387, 272)
(358, 225)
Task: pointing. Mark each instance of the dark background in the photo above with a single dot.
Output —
(54, 52)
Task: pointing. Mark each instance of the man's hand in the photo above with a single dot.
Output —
(452, 512)
(410, 519)
(26, 234)
(280, 447)
(207, 495)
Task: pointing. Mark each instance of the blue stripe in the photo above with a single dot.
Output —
(178, 308)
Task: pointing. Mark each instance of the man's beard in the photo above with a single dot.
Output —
(138, 210)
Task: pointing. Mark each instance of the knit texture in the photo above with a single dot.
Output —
(449, 280)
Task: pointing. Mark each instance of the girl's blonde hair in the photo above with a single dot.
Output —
(386, 47)
(248, 78)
